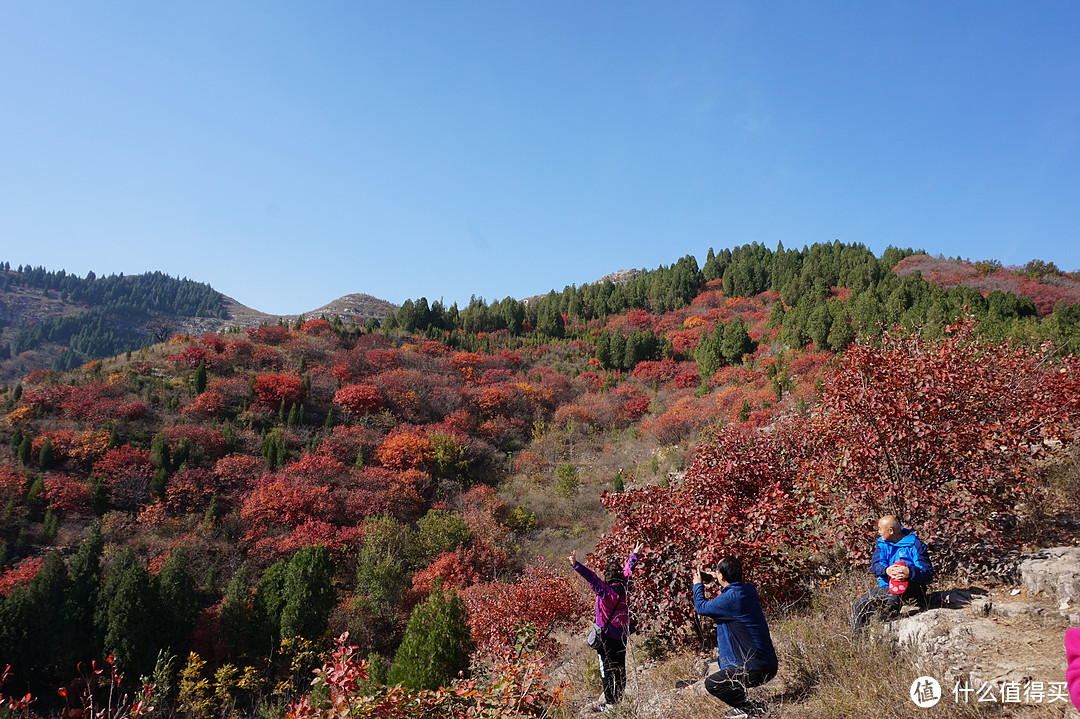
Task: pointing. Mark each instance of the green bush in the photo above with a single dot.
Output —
(436, 644)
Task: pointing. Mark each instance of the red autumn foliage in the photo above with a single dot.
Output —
(132, 410)
(406, 450)
(20, 574)
(381, 360)
(650, 371)
(12, 483)
(374, 490)
(317, 328)
(359, 399)
(272, 389)
(542, 596)
(314, 468)
(268, 334)
(191, 357)
(213, 342)
(734, 499)
(190, 490)
(941, 432)
(278, 500)
(126, 472)
(209, 441)
(237, 472)
(68, 495)
(208, 404)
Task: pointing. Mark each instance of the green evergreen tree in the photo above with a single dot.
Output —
(200, 378)
(236, 619)
(736, 342)
(177, 605)
(269, 601)
(618, 350)
(707, 353)
(45, 455)
(33, 635)
(776, 315)
(309, 593)
(841, 333)
(603, 349)
(82, 597)
(436, 643)
(819, 324)
(24, 451)
(126, 601)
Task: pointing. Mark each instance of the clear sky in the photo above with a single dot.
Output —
(289, 153)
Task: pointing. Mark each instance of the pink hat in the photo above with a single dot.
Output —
(1072, 670)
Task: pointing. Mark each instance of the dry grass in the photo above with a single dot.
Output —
(824, 674)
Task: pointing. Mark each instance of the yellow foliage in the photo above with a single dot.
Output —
(22, 414)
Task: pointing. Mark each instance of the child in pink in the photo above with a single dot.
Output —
(1072, 668)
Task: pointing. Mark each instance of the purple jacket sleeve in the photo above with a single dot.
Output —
(628, 568)
(598, 586)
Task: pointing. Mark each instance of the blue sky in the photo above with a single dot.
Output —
(291, 153)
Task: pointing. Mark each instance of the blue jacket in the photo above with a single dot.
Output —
(907, 549)
(742, 635)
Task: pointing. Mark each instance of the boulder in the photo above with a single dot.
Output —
(1055, 571)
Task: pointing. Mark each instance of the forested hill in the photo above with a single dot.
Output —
(56, 320)
(212, 510)
(63, 319)
(823, 295)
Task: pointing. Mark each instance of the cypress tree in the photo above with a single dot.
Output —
(736, 342)
(45, 456)
(235, 617)
(269, 601)
(126, 602)
(24, 451)
(309, 593)
(85, 572)
(177, 603)
(436, 644)
(200, 378)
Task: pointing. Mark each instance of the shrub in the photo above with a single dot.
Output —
(436, 644)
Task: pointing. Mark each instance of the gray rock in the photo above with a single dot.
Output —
(1055, 571)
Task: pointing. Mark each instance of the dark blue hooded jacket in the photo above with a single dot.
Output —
(742, 635)
(908, 549)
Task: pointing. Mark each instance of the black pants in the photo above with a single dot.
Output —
(612, 654)
(730, 684)
(883, 603)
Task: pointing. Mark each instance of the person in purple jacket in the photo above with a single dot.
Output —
(613, 617)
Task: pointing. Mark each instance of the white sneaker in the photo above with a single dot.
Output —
(734, 713)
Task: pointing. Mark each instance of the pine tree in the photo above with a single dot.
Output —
(436, 644)
(45, 455)
(82, 597)
(126, 602)
(177, 603)
(309, 593)
(736, 342)
(235, 617)
(200, 378)
(269, 601)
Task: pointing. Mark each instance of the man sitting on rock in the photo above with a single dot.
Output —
(903, 570)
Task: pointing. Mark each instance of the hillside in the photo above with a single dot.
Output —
(259, 492)
(52, 320)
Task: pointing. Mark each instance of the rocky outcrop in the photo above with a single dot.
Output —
(1011, 636)
(1055, 572)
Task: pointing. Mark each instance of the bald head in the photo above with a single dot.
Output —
(889, 528)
